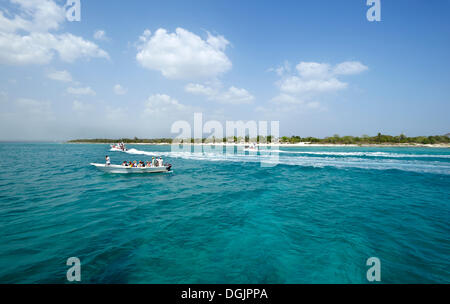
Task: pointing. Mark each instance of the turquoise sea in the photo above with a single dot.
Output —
(316, 217)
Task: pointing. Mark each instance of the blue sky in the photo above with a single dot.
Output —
(132, 68)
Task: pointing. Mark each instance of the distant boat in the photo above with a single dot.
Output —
(251, 148)
(120, 147)
(125, 169)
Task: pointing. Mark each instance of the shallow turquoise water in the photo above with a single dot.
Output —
(314, 218)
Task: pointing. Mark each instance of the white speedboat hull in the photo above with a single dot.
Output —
(123, 169)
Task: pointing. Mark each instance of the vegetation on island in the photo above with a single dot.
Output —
(134, 140)
(335, 139)
(365, 139)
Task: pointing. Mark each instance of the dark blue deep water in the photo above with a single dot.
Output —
(316, 217)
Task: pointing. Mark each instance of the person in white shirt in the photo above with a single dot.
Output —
(161, 162)
(108, 160)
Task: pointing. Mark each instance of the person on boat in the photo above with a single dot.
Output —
(125, 164)
(134, 164)
(153, 162)
(148, 164)
(161, 162)
(108, 160)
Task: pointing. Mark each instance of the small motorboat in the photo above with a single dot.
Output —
(251, 148)
(120, 147)
(125, 169)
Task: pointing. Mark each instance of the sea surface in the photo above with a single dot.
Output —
(291, 215)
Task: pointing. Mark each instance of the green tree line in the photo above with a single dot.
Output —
(335, 139)
(365, 139)
(134, 140)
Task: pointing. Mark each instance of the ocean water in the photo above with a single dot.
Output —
(316, 217)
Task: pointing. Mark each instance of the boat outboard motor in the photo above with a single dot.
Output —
(169, 166)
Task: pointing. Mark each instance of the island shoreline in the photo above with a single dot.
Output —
(284, 145)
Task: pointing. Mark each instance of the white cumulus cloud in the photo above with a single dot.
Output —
(26, 38)
(310, 82)
(314, 77)
(70, 48)
(182, 54)
(233, 95)
(350, 68)
(35, 15)
(160, 103)
(313, 70)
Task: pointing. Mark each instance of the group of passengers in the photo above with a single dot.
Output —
(156, 162)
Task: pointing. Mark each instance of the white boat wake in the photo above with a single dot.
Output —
(386, 161)
(321, 153)
(368, 154)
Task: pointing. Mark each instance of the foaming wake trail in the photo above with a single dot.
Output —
(364, 154)
(139, 152)
(350, 160)
(320, 153)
